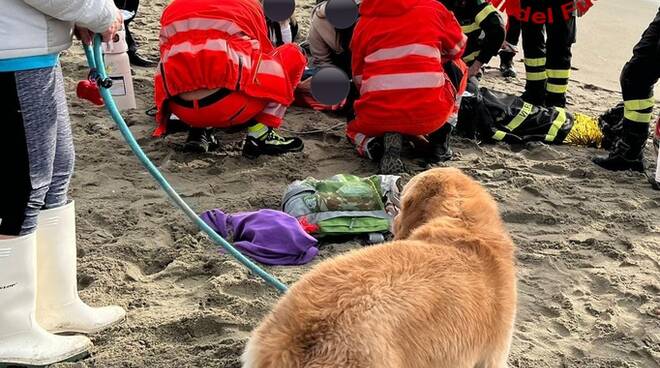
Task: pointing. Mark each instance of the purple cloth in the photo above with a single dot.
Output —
(267, 236)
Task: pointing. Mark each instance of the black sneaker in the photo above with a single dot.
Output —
(200, 141)
(391, 162)
(506, 65)
(508, 71)
(271, 143)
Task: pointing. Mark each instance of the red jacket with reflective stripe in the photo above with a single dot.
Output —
(399, 48)
(208, 44)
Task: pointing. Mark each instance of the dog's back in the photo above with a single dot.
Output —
(442, 297)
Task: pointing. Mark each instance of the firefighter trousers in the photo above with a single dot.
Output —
(547, 49)
(638, 78)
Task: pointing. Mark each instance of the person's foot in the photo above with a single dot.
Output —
(626, 155)
(507, 70)
(139, 61)
(440, 141)
(200, 141)
(391, 162)
(270, 143)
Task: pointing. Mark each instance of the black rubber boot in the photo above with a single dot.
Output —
(534, 96)
(271, 143)
(506, 64)
(200, 141)
(391, 162)
(555, 100)
(611, 125)
(440, 141)
(139, 61)
(626, 155)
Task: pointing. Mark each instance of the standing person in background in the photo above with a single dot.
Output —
(513, 30)
(282, 32)
(638, 78)
(548, 33)
(38, 285)
(484, 27)
(131, 8)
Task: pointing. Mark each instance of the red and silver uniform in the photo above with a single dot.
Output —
(209, 44)
(399, 49)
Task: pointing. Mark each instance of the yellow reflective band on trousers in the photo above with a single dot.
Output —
(484, 13)
(638, 117)
(536, 76)
(556, 88)
(559, 74)
(499, 135)
(520, 118)
(556, 125)
(471, 57)
(470, 28)
(535, 62)
(636, 105)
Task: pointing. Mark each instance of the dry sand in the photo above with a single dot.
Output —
(588, 240)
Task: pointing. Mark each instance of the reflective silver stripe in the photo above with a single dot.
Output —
(275, 109)
(459, 46)
(271, 67)
(399, 52)
(217, 44)
(199, 24)
(389, 82)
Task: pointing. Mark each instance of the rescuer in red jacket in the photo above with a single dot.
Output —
(219, 69)
(406, 58)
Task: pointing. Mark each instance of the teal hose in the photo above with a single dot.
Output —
(96, 64)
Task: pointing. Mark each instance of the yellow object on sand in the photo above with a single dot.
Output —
(585, 132)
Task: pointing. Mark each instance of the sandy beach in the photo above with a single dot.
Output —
(588, 240)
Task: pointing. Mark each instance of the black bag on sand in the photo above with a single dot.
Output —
(490, 117)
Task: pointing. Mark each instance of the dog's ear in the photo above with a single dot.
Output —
(416, 198)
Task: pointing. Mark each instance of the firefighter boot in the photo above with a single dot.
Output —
(627, 153)
(391, 162)
(441, 151)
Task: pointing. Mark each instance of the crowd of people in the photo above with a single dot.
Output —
(387, 59)
(225, 65)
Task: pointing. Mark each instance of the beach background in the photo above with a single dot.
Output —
(588, 240)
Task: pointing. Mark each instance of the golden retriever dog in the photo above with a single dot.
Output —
(442, 295)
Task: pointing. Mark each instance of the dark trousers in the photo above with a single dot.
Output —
(638, 77)
(132, 6)
(547, 49)
(513, 28)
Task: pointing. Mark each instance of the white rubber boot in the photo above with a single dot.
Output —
(22, 340)
(59, 308)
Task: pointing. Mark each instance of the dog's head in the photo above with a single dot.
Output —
(444, 192)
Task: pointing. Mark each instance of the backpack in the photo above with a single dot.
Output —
(344, 204)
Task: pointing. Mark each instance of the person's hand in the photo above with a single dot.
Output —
(116, 25)
(475, 69)
(84, 35)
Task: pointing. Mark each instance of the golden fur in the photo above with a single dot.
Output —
(442, 295)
